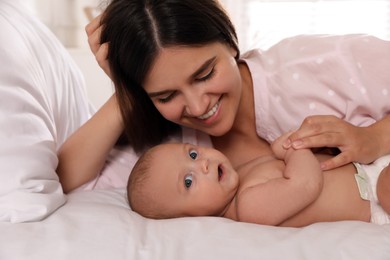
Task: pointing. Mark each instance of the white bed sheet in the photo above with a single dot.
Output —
(98, 224)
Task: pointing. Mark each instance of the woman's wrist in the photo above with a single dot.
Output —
(379, 134)
(114, 113)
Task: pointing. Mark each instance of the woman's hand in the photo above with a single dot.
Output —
(100, 50)
(357, 144)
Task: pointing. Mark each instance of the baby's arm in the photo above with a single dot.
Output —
(280, 198)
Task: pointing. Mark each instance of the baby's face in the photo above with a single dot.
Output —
(191, 180)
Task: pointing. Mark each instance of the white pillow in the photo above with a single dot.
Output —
(42, 101)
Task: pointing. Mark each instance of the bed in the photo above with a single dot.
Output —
(99, 225)
(42, 101)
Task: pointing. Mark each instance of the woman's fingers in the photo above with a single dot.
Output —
(314, 125)
(93, 30)
(318, 131)
(93, 25)
(100, 50)
(336, 161)
(322, 140)
(101, 58)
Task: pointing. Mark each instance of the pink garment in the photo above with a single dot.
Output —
(346, 76)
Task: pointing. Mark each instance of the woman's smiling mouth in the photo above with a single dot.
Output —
(211, 112)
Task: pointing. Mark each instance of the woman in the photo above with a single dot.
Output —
(177, 63)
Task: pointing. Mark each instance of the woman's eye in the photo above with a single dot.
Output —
(193, 154)
(167, 99)
(188, 181)
(208, 76)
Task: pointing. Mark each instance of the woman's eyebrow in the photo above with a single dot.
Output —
(202, 68)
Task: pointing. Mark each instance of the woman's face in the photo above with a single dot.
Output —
(197, 87)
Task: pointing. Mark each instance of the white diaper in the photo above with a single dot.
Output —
(366, 178)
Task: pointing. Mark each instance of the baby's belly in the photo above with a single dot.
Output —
(339, 200)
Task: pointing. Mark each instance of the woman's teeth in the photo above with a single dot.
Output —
(211, 112)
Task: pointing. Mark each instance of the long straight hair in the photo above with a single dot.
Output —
(136, 31)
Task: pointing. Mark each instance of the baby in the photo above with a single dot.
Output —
(177, 180)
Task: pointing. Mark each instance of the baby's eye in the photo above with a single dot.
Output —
(188, 181)
(193, 154)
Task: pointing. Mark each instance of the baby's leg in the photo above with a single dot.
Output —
(383, 189)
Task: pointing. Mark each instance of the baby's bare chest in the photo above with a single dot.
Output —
(259, 171)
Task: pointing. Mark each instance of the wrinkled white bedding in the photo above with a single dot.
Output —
(99, 225)
(42, 101)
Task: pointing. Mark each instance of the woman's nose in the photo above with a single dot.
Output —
(196, 104)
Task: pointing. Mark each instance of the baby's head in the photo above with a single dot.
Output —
(177, 180)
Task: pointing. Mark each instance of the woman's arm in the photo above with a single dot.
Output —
(84, 153)
(357, 144)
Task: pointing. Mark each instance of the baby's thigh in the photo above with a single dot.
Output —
(383, 189)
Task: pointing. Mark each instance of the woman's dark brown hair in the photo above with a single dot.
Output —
(136, 30)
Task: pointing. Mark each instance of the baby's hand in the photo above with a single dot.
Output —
(277, 146)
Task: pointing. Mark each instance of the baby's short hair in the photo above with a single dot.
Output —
(139, 198)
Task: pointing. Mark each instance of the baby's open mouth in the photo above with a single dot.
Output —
(220, 173)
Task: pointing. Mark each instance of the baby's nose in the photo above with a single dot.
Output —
(204, 165)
